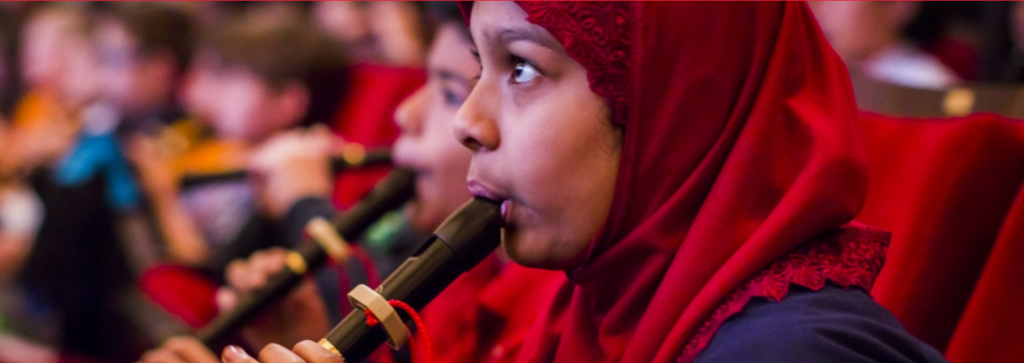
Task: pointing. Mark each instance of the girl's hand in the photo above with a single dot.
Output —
(156, 172)
(306, 351)
(292, 166)
(301, 315)
(180, 350)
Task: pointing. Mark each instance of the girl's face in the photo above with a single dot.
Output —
(237, 103)
(43, 49)
(81, 83)
(200, 90)
(542, 142)
(426, 143)
(123, 73)
(248, 109)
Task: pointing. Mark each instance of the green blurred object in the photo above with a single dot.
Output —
(382, 234)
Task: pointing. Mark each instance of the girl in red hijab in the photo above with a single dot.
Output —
(692, 167)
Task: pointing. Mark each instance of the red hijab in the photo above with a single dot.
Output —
(739, 173)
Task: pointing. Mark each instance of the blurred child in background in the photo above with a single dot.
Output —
(144, 50)
(247, 92)
(77, 268)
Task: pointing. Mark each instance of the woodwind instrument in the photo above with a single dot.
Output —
(465, 239)
(325, 240)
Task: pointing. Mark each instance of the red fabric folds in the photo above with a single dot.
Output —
(943, 187)
(738, 157)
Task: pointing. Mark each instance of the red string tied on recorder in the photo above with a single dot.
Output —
(422, 354)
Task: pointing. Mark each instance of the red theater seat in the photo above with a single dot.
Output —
(943, 187)
(991, 329)
(182, 293)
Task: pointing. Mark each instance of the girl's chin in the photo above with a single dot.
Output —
(533, 253)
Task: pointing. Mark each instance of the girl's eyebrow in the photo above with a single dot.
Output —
(449, 75)
(534, 34)
(502, 36)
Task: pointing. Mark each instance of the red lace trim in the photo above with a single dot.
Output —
(847, 256)
(596, 34)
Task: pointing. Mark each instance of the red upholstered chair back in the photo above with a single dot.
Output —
(182, 292)
(366, 116)
(943, 187)
(991, 329)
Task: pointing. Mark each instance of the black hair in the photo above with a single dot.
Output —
(446, 12)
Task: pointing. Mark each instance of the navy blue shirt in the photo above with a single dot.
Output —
(830, 325)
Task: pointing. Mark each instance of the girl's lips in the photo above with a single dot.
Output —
(506, 212)
(479, 189)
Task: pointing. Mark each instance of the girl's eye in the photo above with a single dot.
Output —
(451, 99)
(524, 72)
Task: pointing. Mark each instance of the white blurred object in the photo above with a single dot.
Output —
(21, 212)
(906, 65)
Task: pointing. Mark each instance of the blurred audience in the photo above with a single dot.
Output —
(76, 269)
(1002, 48)
(871, 36)
(385, 32)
